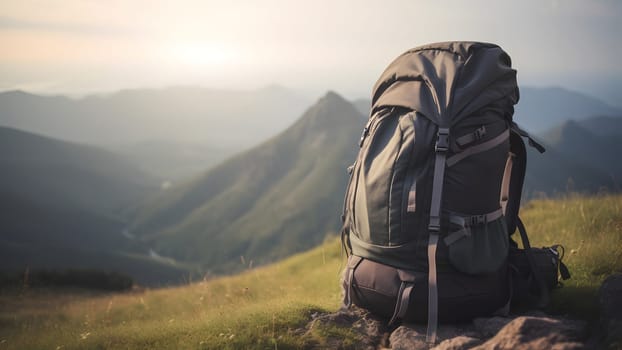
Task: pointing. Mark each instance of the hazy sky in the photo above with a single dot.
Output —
(81, 46)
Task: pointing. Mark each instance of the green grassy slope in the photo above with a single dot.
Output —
(270, 202)
(261, 307)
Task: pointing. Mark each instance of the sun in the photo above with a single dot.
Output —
(199, 54)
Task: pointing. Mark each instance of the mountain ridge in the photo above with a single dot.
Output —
(274, 187)
(63, 205)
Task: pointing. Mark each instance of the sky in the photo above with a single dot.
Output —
(79, 47)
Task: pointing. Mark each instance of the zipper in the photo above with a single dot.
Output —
(372, 124)
(370, 127)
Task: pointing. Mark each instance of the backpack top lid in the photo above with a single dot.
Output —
(448, 81)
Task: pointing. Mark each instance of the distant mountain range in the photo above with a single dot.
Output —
(540, 109)
(582, 156)
(217, 123)
(62, 205)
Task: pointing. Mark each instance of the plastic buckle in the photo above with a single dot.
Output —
(477, 220)
(435, 224)
(442, 140)
(479, 133)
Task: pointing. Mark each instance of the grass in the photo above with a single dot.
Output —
(259, 308)
(262, 307)
(590, 229)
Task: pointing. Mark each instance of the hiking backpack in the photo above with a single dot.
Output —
(435, 190)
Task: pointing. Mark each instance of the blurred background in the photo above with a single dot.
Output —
(171, 140)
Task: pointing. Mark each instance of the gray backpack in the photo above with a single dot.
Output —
(435, 190)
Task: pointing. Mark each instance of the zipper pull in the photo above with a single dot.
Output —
(365, 132)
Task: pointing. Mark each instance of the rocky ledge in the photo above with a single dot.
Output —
(532, 330)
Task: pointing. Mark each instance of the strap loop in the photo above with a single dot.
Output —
(480, 147)
(466, 222)
(472, 137)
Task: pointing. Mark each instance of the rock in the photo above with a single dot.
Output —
(458, 343)
(610, 303)
(488, 327)
(412, 336)
(367, 330)
(356, 328)
(406, 338)
(527, 332)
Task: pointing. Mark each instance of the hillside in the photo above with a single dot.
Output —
(62, 205)
(45, 169)
(172, 162)
(599, 150)
(274, 200)
(261, 307)
(607, 126)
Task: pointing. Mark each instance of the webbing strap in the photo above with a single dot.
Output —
(432, 290)
(466, 222)
(480, 147)
(472, 137)
(533, 143)
(442, 145)
(434, 228)
(505, 183)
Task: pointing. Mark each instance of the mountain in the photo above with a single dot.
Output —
(276, 199)
(220, 121)
(51, 171)
(540, 109)
(171, 161)
(593, 146)
(363, 105)
(554, 173)
(62, 204)
(603, 126)
(189, 114)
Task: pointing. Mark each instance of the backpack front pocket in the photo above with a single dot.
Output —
(477, 245)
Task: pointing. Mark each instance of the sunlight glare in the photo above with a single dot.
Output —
(200, 54)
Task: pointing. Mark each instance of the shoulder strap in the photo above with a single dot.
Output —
(513, 187)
